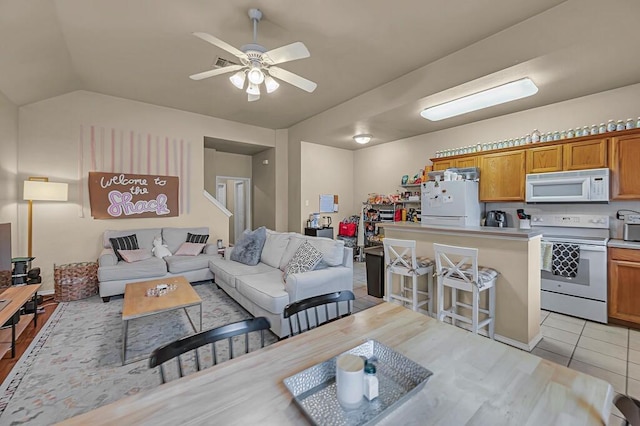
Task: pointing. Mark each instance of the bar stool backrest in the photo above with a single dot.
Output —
(400, 255)
(457, 263)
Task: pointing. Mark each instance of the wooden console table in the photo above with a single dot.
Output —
(319, 232)
(18, 296)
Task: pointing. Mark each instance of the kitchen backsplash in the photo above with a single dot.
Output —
(610, 209)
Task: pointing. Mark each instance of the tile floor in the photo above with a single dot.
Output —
(609, 352)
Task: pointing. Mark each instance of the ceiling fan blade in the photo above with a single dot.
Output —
(221, 44)
(293, 79)
(287, 53)
(216, 71)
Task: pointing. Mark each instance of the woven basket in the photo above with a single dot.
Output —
(75, 281)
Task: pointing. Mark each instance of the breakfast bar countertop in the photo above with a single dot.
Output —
(475, 381)
(488, 231)
(634, 245)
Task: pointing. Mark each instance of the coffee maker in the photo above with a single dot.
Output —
(314, 220)
(496, 218)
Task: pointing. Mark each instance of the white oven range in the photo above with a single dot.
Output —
(584, 295)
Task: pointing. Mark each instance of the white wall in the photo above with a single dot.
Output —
(9, 167)
(49, 141)
(380, 168)
(326, 170)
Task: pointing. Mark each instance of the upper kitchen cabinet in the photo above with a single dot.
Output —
(625, 169)
(502, 177)
(460, 163)
(544, 159)
(589, 154)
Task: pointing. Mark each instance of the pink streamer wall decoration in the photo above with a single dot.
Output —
(109, 151)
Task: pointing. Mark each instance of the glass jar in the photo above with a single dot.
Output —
(535, 136)
(638, 123)
(620, 125)
(510, 144)
(479, 147)
(563, 134)
(602, 128)
(630, 124)
(500, 145)
(556, 136)
(543, 137)
(585, 131)
(494, 145)
(611, 126)
(594, 130)
(571, 134)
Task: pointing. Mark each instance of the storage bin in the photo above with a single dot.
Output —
(75, 281)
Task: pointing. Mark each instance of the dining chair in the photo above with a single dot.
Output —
(629, 407)
(298, 312)
(196, 341)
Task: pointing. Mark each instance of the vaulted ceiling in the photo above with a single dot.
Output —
(377, 63)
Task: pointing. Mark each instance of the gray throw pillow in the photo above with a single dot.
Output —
(249, 247)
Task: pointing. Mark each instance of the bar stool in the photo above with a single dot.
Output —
(465, 275)
(400, 259)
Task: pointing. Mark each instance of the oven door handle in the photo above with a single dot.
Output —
(583, 247)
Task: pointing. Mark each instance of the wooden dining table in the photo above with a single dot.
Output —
(476, 381)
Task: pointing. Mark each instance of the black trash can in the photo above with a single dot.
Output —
(374, 258)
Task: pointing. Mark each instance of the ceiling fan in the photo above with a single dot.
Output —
(258, 64)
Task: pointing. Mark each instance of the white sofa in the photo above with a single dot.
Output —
(261, 290)
(113, 275)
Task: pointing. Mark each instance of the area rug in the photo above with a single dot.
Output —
(74, 364)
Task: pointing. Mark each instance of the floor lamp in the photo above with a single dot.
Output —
(40, 189)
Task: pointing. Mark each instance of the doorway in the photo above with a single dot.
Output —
(235, 194)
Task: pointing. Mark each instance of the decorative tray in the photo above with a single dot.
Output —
(314, 389)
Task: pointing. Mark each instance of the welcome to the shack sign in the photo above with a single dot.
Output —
(129, 196)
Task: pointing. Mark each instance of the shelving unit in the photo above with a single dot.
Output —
(373, 214)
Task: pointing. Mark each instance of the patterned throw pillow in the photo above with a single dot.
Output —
(305, 259)
(129, 242)
(197, 238)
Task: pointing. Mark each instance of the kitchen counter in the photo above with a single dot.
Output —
(513, 252)
(634, 245)
(489, 231)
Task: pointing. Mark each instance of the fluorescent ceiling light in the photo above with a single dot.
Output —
(362, 139)
(497, 95)
(238, 79)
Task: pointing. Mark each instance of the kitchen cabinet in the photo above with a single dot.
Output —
(460, 163)
(589, 154)
(502, 176)
(544, 159)
(443, 164)
(624, 285)
(625, 170)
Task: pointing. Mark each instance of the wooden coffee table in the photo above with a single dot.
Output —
(137, 304)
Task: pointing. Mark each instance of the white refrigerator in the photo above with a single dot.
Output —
(453, 203)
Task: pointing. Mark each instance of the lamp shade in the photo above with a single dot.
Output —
(45, 191)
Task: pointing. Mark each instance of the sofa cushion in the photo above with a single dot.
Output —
(249, 247)
(189, 249)
(148, 268)
(180, 264)
(137, 255)
(174, 237)
(305, 259)
(274, 247)
(332, 250)
(265, 290)
(127, 242)
(145, 236)
(226, 270)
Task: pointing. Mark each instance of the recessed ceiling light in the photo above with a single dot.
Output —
(496, 95)
(363, 138)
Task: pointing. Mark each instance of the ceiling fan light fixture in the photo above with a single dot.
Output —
(252, 98)
(253, 89)
(271, 84)
(238, 79)
(487, 98)
(255, 75)
(362, 138)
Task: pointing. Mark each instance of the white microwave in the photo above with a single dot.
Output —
(581, 186)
